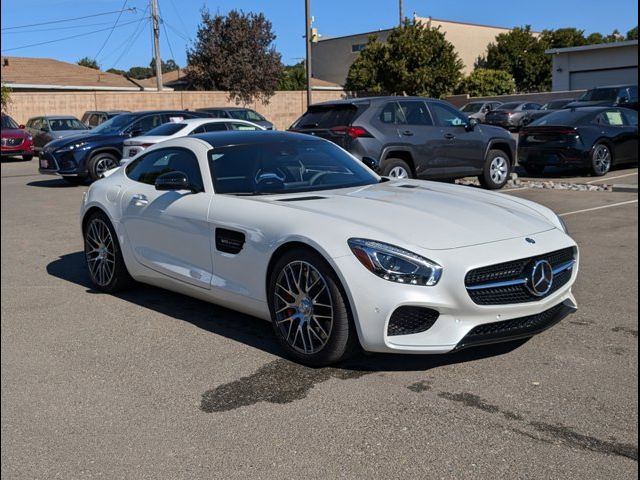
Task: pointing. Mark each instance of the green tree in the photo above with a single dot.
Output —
(563, 38)
(235, 53)
(168, 66)
(6, 97)
(484, 82)
(595, 38)
(523, 55)
(294, 77)
(89, 63)
(140, 73)
(633, 33)
(416, 59)
(116, 71)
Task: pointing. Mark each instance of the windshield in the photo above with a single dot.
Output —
(8, 122)
(472, 107)
(165, 130)
(246, 115)
(114, 125)
(62, 124)
(285, 167)
(600, 94)
(509, 106)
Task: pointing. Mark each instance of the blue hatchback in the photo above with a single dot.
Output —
(90, 154)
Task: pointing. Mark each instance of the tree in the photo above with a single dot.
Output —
(633, 33)
(294, 77)
(6, 97)
(89, 63)
(484, 82)
(235, 53)
(140, 73)
(563, 38)
(521, 54)
(595, 38)
(168, 66)
(116, 71)
(416, 59)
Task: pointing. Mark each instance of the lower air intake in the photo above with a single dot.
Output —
(409, 320)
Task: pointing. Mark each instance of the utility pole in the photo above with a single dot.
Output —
(308, 38)
(156, 43)
(401, 12)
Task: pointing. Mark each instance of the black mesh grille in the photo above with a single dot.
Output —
(408, 320)
(514, 270)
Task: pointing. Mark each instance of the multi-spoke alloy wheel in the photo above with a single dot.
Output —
(309, 309)
(304, 309)
(601, 159)
(102, 252)
(398, 172)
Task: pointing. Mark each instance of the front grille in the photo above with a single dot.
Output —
(409, 320)
(516, 328)
(12, 142)
(514, 271)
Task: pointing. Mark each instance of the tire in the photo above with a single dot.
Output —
(312, 324)
(534, 169)
(27, 158)
(74, 180)
(496, 170)
(601, 159)
(396, 168)
(100, 163)
(106, 266)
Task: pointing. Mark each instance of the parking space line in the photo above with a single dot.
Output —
(602, 180)
(619, 204)
(513, 189)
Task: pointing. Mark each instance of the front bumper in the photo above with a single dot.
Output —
(374, 300)
(63, 163)
(16, 153)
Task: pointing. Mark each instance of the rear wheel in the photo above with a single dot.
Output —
(496, 170)
(107, 269)
(396, 168)
(311, 318)
(601, 159)
(100, 163)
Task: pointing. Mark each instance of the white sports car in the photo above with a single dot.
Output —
(182, 128)
(293, 229)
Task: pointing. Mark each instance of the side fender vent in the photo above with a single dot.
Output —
(229, 241)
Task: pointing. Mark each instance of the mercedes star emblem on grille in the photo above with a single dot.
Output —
(541, 278)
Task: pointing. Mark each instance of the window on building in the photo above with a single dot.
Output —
(358, 47)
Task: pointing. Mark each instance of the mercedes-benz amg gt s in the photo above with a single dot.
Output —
(295, 230)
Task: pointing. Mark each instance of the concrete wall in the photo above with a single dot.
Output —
(541, 98)
(282, 110)
(610, 64)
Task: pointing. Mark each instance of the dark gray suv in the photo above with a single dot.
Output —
(414, 137)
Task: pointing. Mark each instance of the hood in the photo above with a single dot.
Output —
(427, 214)
(80, 137)
(68, 133)
(13, 133)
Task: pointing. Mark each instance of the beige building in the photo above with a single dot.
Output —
(332, 57)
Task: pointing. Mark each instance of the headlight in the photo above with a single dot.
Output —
(73, 146)
(395, 264)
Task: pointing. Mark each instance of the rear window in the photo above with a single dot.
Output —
(166, 129)
(564, 118)
(327, 116)
(509, 106)
(600, 94)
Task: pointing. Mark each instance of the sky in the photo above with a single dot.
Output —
(129, 44)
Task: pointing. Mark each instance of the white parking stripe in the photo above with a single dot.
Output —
(512, 189)
(603, 180)
(599, 208)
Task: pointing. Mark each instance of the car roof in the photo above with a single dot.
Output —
(623, 85)
(204, 109)
(239, 137)
(58, 117)
(198, 121)
(351, 101)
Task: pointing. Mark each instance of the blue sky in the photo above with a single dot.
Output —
(130, 44)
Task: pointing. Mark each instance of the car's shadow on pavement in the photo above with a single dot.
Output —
(253, 331)
(53, 183)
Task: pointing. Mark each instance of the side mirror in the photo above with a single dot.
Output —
(173, 181)
(623, 100)
(135, 132)
(21, 127)
(372, 163)
(472, 124)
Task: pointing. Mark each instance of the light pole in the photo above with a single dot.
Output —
(307, 35)
(156, 43)
(401, 12)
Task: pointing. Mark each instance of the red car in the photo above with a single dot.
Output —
(15, 141)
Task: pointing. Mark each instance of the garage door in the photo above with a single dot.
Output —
(597, 78)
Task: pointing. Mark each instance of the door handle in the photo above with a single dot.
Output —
(139, 200)
(449, 136)
(407, 133)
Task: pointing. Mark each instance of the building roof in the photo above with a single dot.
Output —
(50, 74)
(596, 46)
(168, 79)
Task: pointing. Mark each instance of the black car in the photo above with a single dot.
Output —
(89, 155)
(238, 113)
(611, 96)
(546, 109)
(512, 115)
(591, 137)
(413, 137)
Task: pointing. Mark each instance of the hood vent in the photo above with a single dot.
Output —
(301, 199)
(408, 186)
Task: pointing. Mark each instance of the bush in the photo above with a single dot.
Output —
(6, 97)
(485, 82)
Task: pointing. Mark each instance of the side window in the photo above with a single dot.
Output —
(241, 126)
(149, 167)
(623, 94)
(632, 117)
(94, 120)
(198, 130)
(214, 127)
(44, 125)
(392, 113)
(612, 118)
(447, 116)
(416, 112)
(147, 123)
(633, 93)
(531, 106)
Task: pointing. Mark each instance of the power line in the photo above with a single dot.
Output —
(130, 9)
(69, 27)
(128, 39)
(165, 32)
(177, 32)
(133, 38)
(112, 29)
(65, 38)
(173, 5)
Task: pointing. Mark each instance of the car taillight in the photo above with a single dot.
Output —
(567, 131)
(353, 132)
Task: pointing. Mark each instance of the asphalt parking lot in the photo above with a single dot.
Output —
(150, 384)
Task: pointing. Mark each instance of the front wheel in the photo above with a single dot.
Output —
(496, 170)
(396, 168)
(601, 159)
(100, 163)
(309, 310)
